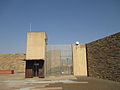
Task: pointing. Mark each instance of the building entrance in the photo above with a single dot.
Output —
(34, 68)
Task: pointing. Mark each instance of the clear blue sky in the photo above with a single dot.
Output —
(65, 21)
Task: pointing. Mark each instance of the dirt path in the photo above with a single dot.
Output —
(18, 82)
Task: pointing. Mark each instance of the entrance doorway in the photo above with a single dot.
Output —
(34, 68)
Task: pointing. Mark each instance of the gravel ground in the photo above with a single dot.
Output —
(18, 82)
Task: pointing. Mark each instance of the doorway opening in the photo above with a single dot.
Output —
(34, 68)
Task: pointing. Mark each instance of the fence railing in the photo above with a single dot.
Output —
(59, 60)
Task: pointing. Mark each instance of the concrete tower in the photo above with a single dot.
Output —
(35, 54)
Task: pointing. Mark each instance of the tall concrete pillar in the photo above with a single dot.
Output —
(35, 54)
(79, 60)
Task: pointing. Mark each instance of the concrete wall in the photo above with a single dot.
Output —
(36, 43)
(79, 60)
(103, 58)
(12, 62)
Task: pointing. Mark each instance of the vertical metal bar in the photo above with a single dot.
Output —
(65, 60)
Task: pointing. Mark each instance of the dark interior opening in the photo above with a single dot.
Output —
(34, 68)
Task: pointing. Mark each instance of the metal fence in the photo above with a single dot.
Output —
(58, 60)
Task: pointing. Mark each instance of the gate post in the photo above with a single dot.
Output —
(79, 60)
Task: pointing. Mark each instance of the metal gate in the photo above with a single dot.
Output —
(59, 60)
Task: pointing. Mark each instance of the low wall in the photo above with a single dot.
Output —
(103, 57)
(12, 62)
(6, 71)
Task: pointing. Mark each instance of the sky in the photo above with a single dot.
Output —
(64, 21)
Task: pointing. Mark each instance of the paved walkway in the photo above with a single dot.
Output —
(18, 82)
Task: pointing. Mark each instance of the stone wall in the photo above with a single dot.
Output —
(103, 58)
(12, 62)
